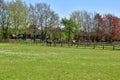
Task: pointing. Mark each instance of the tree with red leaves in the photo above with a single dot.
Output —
(114, 22)
(110, 26)
(104, 29)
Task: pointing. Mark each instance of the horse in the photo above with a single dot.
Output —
(49, 42)
(73, 42)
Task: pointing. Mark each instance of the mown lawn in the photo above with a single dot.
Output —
(36, 62)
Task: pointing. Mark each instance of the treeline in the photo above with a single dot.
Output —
(39, 21)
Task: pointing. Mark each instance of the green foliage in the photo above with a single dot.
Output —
(18, 15)
(64, 36)
(4, 20)
(55, 36)
(70, 27)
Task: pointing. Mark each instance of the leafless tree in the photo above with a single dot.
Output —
(43, 17)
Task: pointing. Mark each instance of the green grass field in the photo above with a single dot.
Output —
(36, 62)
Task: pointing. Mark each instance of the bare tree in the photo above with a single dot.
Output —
(44, 18)
(76, 17)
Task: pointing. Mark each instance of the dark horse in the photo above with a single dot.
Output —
(48, 42)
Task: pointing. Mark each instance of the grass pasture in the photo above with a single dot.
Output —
(36, 62)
